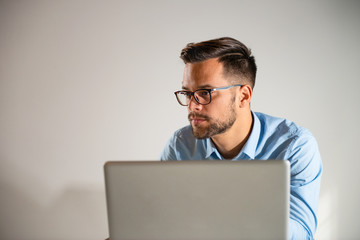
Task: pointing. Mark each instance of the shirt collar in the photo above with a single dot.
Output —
(249, 148)
(210, 148)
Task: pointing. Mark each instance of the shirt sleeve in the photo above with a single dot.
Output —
(306, 171)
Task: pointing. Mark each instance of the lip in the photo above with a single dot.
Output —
(197, 120)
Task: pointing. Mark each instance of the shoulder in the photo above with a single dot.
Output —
(290, 141)
(180, 144)
(183, 135)
(272, 123)
(283, 137)
(281, 127)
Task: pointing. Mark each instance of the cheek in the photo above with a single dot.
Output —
(217, 112)
(223, 110)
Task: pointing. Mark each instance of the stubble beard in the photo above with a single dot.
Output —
(214, 127)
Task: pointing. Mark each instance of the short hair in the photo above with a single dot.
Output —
(235, 56)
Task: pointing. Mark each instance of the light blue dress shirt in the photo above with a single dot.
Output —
(270, 138)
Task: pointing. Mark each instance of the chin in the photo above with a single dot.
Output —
(199, 133)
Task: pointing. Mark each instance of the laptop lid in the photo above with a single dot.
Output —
(198, 200)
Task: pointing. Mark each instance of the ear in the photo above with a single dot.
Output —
(245, 96)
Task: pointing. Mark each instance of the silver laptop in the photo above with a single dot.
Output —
(198, 200)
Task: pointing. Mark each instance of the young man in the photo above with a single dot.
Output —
(217, 87)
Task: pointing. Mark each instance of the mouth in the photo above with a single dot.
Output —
(196, 119)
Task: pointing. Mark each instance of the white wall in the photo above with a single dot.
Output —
(82, 82)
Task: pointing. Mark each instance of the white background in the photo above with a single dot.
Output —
(82, 82)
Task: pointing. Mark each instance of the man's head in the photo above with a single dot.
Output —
(226, 71)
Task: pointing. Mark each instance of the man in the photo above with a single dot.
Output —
(217, 87)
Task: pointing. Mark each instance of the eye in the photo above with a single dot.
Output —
(186, 93)
(203, 93)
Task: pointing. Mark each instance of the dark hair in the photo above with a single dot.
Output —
(234, 55)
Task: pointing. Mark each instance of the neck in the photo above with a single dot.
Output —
(230, 143)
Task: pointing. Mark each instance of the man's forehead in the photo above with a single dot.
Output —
(211, 65)
(203, 74)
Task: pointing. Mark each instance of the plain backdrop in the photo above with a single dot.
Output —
(83, 82)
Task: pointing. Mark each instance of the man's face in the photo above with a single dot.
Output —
(218, 116)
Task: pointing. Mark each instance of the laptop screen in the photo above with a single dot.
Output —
(204, 200)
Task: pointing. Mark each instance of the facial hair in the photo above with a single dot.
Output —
(214, 127)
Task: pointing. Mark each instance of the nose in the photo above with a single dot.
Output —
(194, 105)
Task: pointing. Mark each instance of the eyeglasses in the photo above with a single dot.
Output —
(201, 96)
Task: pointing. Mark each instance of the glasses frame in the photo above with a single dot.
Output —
(192, 94)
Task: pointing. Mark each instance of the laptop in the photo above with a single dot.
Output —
(197, 200)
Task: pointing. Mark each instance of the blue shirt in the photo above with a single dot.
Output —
(270, 138)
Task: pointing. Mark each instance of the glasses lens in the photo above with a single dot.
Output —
(183, 97)
(203, 96)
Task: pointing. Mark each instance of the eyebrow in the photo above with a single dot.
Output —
(200, 87)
